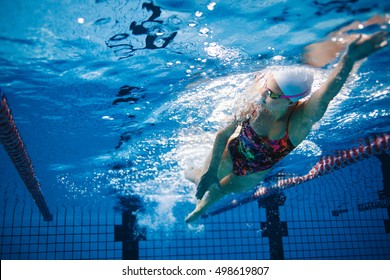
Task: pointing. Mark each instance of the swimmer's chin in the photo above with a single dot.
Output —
(263, 105)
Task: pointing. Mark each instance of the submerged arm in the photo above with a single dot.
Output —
(210, 176)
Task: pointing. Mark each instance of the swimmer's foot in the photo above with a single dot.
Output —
(194, 215)
(214, 194)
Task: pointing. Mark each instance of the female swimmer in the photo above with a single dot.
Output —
(276, 124)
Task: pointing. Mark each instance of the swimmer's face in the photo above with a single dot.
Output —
(270, 93)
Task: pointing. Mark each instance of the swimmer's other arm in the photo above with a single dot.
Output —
(314, 108)
(210, 176)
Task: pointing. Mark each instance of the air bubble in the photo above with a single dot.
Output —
(160, 32)
(211, 6)
(278, 57)
(175, 20)
(192, 23)
(204, 31)
(198, 14)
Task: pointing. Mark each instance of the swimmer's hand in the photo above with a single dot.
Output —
(206, 181)
(365, 45)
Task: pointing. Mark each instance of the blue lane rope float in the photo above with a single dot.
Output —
(14, 146)
(373, 145)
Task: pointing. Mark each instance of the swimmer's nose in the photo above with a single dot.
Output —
(263, 98)
(261, 101)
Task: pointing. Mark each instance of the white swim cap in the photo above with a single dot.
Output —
(295, 83)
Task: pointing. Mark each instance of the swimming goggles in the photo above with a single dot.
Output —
(273, 95)
(277, 96)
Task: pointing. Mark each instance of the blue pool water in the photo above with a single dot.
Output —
(116, 98)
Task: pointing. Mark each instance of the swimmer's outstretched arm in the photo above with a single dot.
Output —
(314, 108)
(210, 176)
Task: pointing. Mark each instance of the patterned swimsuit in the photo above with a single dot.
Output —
(253, 153)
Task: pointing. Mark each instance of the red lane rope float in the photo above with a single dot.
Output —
(14, 146)
(373, 145)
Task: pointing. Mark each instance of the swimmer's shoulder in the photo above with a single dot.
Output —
(299, 125)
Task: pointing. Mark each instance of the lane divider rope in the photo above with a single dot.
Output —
(16, 150)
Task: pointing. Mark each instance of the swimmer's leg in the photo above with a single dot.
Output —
(213, 195)
(194, 174)
(229, 184)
